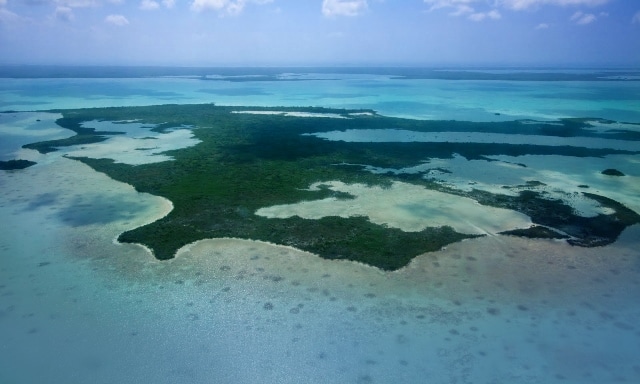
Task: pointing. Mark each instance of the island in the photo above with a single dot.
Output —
(250, 158)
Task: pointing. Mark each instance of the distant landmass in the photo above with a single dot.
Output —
(293, 73)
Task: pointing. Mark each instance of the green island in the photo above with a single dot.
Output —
(245, 162)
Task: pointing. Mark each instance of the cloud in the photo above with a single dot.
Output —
(525, 4)
(77, 3)
(582, 18)
(209, 5)
(542, 26)
(64, 14)
(462, 10)
(6, 16)
(437, 4)
(343, 7)
(3, 2)
(466, 8)
(149, 5)
(232, 7)
(462, 6)
(117, 20)
(479, 16)
(636, 18)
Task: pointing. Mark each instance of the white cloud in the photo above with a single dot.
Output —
(636, 18)
(525, 4)
(582, 18)
(209, 5)
(77, 3)
(64, 14)
(6, 16)
(343, 7)
(232, 7)
(542, 26)
(149, 5)
(117, 20)
(494, 14)
(462, 5)
(479, 16)
(462, 10)
(3, 2)
(66, 3)
(437, 4)
(587, 19)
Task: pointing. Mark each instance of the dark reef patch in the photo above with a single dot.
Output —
(11, 165)
(42, 200)
(536, 232)
(612, 172)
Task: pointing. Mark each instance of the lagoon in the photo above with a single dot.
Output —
(404, 136)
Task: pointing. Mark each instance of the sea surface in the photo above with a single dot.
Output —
(78, 307)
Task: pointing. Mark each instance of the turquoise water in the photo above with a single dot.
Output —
(76, 307)
(417, 98)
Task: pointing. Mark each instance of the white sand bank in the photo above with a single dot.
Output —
(136, 151)
(294, 114)
(406, 206)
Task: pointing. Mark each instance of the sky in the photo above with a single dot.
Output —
(321, 32)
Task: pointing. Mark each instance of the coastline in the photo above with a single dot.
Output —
(252, 151)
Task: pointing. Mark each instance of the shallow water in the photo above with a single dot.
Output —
(390, 96)
(405, 136)
(75, 307)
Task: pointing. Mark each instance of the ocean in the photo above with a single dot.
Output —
(76, 306)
